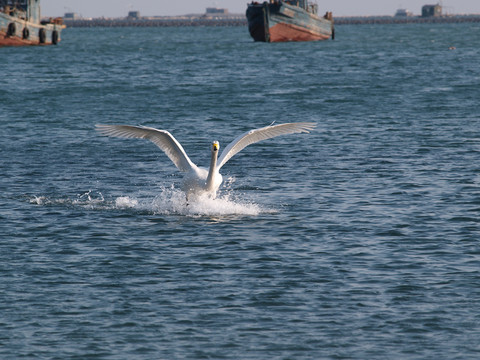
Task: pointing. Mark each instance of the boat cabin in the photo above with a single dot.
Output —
(28, 10)
(304, 4)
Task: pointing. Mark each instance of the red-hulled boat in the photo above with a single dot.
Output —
(289, 20)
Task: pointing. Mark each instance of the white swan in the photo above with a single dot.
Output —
(199, 180)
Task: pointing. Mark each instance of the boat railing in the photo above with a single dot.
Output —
(14, 12)
(312, 8)
(55, 21)
(328, 15)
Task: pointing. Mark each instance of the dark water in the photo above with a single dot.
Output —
(359, 240)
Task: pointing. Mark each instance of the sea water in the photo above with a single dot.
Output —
(358, 240)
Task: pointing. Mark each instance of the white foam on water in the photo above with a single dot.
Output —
(124, 202)
(90, 199)
(38, 200)
(169, 201)
(173, 201)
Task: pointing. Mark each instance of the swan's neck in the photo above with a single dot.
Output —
(210, 185)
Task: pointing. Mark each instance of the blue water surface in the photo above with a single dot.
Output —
(360, 240)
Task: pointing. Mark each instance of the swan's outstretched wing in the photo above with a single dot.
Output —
(257, 135)
(163, 139)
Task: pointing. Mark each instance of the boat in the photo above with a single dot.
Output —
(20, 24)
(288, 20)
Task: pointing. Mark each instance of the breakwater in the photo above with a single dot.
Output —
(362, 20)
(241, 21)
(162, 22)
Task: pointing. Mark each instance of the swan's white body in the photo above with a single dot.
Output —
(197, 180)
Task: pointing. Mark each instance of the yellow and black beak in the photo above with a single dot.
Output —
(215, 146)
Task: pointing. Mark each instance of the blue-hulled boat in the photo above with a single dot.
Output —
(20, 24)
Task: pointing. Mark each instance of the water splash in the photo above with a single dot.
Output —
(89, 199)
(124, 202)
(39, 200)
(169, 201)
(173, 201)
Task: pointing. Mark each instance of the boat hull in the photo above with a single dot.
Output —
(278, 22)
(19, 32)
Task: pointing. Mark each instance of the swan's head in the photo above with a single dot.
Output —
(215, 146)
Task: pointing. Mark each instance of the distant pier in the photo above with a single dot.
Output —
(161, 22)
(365, 20)
(241, 21)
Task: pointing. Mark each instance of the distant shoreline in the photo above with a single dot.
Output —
(240, 21)
(360, 20)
